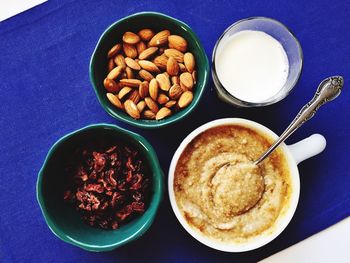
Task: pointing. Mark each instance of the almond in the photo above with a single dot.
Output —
(140, 47)
(114, 50)
(114, 100)
(151, 104)
(142, 64)
(189, 62)
(144, 89)
(144, 74)
(148, 52)
(110, 85)
(153, 89)
(162, 113)
(132, 64)
(177, 42)
(175, 91)
(141, 105)
(185, 99)
(149, 66)
(130, 50)
(131, 38)
(175, 80)
(146, 34)
(131, 109)
(170, 103)
(129, 73)
(123, 92)
(134, 96)
(187, 80)
(163, 81)
(110, 65)
(148, 114)
(130, 82)
(162, 99)
(120, 61)
(182, 67)
(161, 61)
(172, 67)
(159, 39)
(114, 73)
(194, 76)
(183, 87)
(171, 52)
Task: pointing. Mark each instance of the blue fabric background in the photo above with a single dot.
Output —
(45, 93)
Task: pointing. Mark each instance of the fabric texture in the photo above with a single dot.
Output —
(45, 93)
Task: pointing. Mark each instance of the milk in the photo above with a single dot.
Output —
(252, 66)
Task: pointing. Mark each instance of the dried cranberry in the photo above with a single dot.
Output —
(137, 196)
(138, 206)
(99, 161)
(108, 187)
(94, 188)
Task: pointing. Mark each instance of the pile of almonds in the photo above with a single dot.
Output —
(150, 75)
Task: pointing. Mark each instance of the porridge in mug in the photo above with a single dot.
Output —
(221, 193)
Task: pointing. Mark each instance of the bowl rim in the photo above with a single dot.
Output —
(165, 122)
(281, 222)
(158, 188)
(220, 88)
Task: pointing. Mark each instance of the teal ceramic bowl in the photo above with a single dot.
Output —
(158, 22)
(63, 220)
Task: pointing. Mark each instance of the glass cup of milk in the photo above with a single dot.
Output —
(256, 62)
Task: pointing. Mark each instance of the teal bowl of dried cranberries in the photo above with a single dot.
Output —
(100, 187)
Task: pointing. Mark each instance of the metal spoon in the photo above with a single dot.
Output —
(327, 90)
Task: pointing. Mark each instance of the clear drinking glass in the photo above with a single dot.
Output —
(281, 33)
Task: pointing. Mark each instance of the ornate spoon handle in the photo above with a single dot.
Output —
(328, 90)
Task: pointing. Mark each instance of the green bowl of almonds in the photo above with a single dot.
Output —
(149, 70)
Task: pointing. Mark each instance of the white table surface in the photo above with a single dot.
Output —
(10, 8)
(330, 245)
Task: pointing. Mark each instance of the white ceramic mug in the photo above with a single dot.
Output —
(294, 154)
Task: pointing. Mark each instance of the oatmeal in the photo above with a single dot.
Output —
(219, 190)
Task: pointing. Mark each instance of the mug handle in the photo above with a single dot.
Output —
(308, 147)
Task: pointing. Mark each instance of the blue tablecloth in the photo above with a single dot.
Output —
(45, 93)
